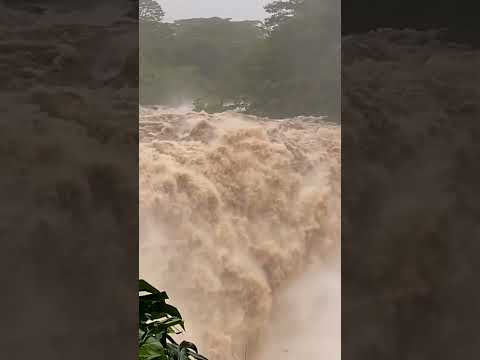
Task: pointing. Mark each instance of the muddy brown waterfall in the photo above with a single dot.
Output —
(240, 224)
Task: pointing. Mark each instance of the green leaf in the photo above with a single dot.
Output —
(152, 350)
(188, 345)
(145, 286)
(157, 320)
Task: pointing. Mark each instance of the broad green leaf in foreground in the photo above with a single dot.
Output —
(157, 320)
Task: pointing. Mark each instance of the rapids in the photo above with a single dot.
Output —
(240, 224)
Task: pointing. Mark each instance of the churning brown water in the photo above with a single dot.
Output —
(240, 224)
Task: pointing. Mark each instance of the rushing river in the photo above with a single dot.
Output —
(240, 223)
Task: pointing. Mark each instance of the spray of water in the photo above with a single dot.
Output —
(240, 223)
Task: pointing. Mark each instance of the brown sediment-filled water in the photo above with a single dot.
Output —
(240, 224)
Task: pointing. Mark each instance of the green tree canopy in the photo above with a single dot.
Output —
(150, 10)
(296, 71)
(287, 66)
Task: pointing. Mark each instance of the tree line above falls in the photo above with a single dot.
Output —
(286, 66)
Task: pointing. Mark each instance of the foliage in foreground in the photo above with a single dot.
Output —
(158, 321)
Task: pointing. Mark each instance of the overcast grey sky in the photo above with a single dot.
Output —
(235, 9)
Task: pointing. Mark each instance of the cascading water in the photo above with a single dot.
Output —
(240, 224)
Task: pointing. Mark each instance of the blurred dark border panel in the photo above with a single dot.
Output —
(410, 180)
(69, 179)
